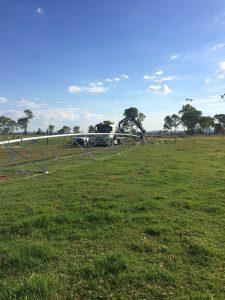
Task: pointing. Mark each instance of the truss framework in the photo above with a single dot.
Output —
(39, 154)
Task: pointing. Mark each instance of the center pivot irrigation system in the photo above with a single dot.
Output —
(41, 154)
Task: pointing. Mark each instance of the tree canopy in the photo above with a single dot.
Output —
(7, 125)
(190, 117)
(76, 129)
(91, 129)
(64, 130)
(23, 122)
(133, 120)
(171, 122)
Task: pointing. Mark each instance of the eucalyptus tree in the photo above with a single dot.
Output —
(50, 129)
(91, 129)
(175, 121)
(133, 118)
(7, 125)
(40, 132)
(206, 122)
(171, 122)
(168, 124)
(76, 129)
(190, 117)
(64, 130)
(23, 122)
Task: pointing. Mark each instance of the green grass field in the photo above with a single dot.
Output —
(147, 224)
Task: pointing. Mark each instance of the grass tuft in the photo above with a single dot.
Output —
(113, 264)
(36, 286)
(102, 217)
(199, 253)
(155, 230)
(28, 255)
(161, 277)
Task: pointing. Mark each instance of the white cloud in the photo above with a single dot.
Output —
(124, 76)
(14, 113)
(222, 66)
(159, 89)
(75, 89)
(173, 57)
(46, 114)
(214, 100)
(219, 46)
(219, 17)
(29, 104)
(220, 74)
(207, 81)
(147, 77)
(190, 56)
(99, 83)
(168, 78)
(221, 71)
(39, 11)
(160, 72)
(95, 88)
(117, 79)
(89, 116)
(67, 116)
(55, 114)
(3, 100)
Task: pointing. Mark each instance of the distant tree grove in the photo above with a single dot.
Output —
(191, 119)
(194, 121)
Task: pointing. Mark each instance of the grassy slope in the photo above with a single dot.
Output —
(147, 224)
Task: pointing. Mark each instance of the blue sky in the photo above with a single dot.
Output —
(80, 62)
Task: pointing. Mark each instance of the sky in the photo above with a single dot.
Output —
(81, 62)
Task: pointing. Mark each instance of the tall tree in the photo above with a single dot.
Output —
(64, 130)
(50, 129)
(76, 129)
(175, 121)
(7, 125)
(190, 117)
(168, 124)
(91, 129)
(39, 132)
(29, 114)
(171, 122)
(206, 122)
(132, 119)
(23, 122)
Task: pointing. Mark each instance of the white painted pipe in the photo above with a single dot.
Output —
(21, 140)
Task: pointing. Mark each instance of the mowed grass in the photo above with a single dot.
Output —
(147, 224)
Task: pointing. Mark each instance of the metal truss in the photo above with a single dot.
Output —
(39, 154)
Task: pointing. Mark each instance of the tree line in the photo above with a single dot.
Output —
(132, 116)
(194, 121)
(8, 125)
